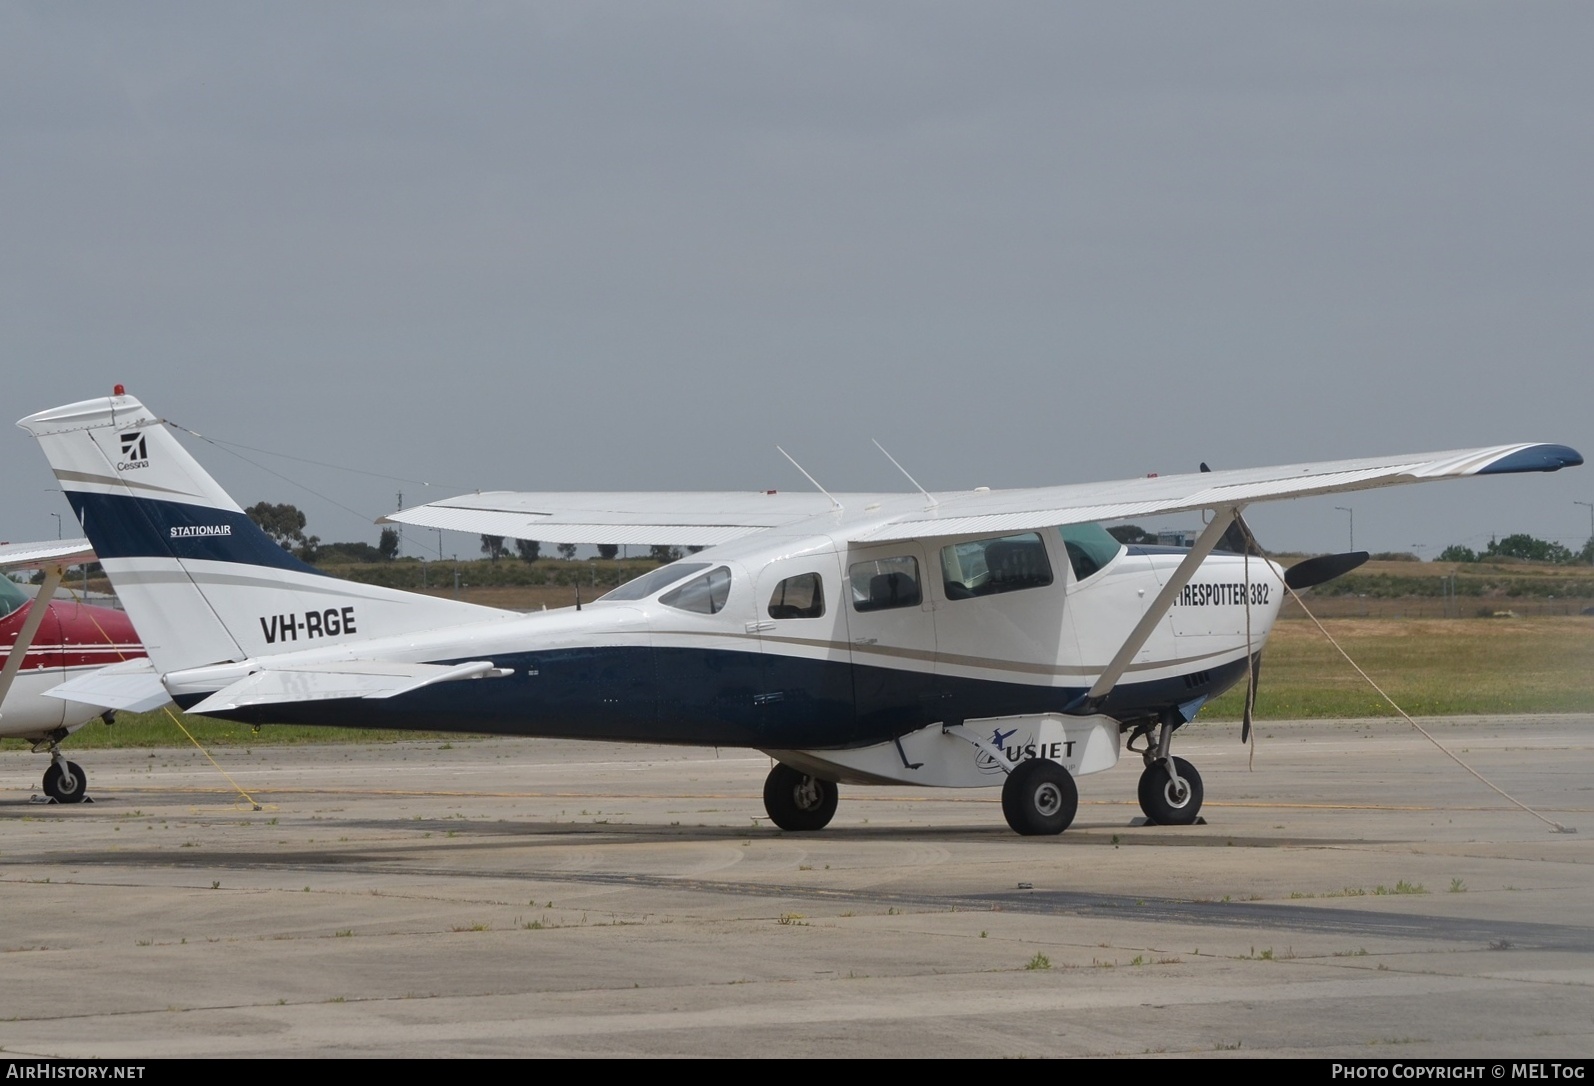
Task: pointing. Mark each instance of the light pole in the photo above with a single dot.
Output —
(1348, 509)
(1590, 527)
(57, 517)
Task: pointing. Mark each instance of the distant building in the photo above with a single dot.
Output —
(1176, 537)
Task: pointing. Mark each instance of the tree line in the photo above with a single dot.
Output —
(529, 550)
(1522, 546)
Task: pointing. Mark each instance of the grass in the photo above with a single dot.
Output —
(1432, 667)
(1401, 887)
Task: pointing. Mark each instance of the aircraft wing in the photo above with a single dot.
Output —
(706, 518)
(131, 686)
(677, 519)
(349, 679)
(68, 552)
(984, 512)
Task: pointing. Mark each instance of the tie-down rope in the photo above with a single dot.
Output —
(1251, 685)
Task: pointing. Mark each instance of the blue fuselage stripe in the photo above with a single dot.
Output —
(716, 697)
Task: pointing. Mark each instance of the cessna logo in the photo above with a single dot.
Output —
(134, 453)
(329, 623)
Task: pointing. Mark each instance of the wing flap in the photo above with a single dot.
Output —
(350, 679)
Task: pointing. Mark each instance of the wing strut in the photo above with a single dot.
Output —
(30, 627)
(1158, 610)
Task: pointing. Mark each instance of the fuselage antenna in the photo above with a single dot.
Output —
(904, 471)
(810, 478)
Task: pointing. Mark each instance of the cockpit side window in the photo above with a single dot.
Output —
(705, 595)
(1090, 548)
(802, 596)
(881, 584)
(984, 567)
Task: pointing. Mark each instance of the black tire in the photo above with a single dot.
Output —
(69, 786)
(798, 802)
(1161, 803)
(1039, 798)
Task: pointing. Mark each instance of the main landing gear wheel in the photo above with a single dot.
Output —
(795, 801)
(65, 782)
(1166, 802)
(1039, 798)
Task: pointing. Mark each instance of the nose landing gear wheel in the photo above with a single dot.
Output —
(1166, 803)
(795, 801)
(65, 782)
(1039, 798)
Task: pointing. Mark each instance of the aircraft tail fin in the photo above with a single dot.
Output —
(200, 580)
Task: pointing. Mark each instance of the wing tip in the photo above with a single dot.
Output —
(1534, 458)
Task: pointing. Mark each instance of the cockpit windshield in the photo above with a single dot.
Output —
(1090, 548)
(649, 583)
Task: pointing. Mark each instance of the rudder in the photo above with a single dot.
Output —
(200, 580)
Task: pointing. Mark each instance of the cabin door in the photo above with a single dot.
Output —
(891, 632)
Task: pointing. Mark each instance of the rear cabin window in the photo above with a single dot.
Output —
(802, 596)
(1090, 548)
(705, 595)
(984, 567)
(881, 584)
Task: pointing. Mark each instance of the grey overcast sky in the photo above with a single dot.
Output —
(635, 246)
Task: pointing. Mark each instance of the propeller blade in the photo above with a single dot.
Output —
(1315, 571)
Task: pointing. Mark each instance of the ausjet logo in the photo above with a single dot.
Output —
(1014, 753)
(134, 452)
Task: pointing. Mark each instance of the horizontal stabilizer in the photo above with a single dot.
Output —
(69, 552)
(131, 686)
(349, 679)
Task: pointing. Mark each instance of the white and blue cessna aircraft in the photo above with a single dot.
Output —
(985, 638)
